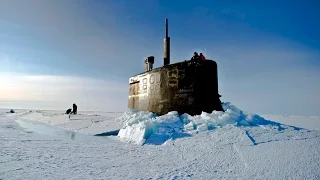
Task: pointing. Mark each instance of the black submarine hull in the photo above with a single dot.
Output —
(187, 87)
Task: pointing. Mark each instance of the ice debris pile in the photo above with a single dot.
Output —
(141, 127)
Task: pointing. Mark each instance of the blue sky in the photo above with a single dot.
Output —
(60, 52)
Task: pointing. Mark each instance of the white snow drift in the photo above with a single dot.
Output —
(144, 127)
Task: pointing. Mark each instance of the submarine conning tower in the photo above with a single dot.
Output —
(190, 86)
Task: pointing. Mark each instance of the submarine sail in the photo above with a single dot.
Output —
(190, 86)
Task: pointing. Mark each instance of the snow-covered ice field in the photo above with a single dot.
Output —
(308, 122)
(221, 145)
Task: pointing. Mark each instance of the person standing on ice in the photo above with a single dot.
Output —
(75, 108)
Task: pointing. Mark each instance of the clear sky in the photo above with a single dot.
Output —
(57, 52)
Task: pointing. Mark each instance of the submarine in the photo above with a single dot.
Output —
(189, 86)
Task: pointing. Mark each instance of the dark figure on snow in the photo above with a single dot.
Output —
(68, 111)
(195, 56)
(74, 111)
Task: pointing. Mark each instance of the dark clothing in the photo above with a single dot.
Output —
(74, 109)
(68, 111)
(195, 57)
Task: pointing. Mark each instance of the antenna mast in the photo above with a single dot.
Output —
(166, 51)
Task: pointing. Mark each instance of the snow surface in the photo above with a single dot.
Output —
(217, 145)
(309, 122)
(84, 122)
